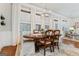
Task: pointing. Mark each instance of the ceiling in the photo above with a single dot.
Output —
(66, 9)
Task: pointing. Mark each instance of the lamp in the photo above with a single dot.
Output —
(47, 14)
(2, 23)
(2, 17)
(71, 28)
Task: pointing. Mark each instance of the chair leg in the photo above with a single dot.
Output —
(50, 49)
(53, 48)
(58, 45)
(44, 51)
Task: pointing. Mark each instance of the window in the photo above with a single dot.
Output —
(38, 27)
(38, 19)
(25, 28)
(47, 22)
(25, 22)
(25, 17)
(56, 26)
(46, 26)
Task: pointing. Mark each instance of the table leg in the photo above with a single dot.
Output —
(36, 47)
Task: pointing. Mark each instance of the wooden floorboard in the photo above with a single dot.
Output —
(9, 50)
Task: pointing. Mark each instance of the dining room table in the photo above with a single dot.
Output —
(36, 37)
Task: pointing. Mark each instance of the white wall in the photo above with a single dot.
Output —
(5, 10)
(5, 31)
(5, 38)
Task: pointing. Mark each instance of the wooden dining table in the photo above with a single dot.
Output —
(36, 38)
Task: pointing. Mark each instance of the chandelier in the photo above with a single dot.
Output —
(46, 13)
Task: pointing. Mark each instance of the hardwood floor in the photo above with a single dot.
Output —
(9, 50)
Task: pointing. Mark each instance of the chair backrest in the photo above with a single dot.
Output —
(56, 34)
(49, 34)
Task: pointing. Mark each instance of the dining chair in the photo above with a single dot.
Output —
(50, 34)
(56, 38)
(46, 41)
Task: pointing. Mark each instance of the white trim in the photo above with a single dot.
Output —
(15, 22)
